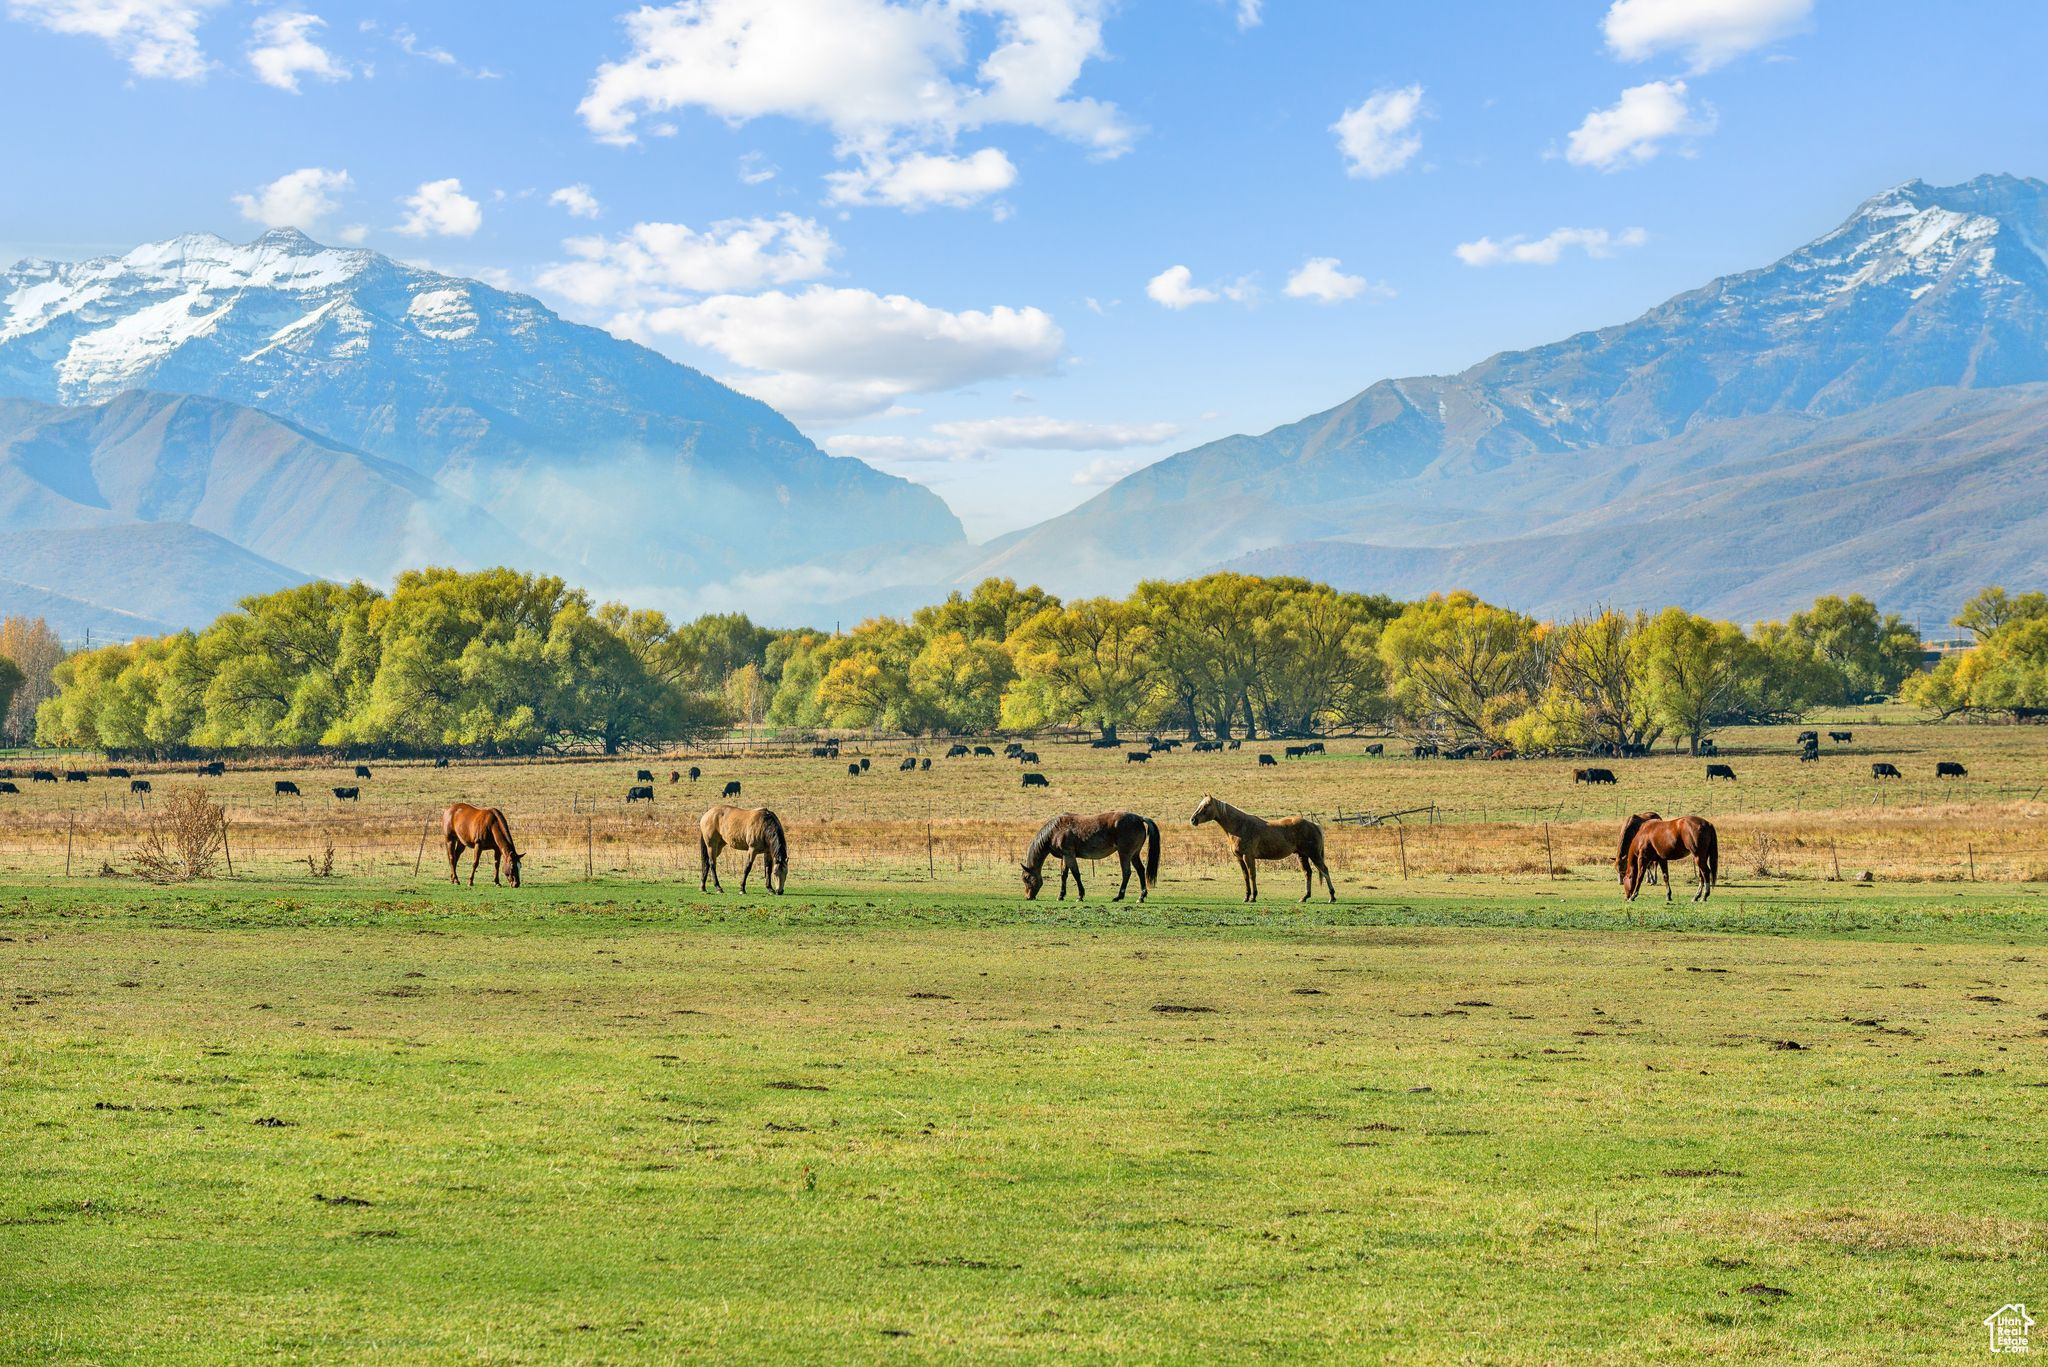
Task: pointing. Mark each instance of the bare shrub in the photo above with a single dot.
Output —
(323, 867)
(185, 838)
(1763, 858)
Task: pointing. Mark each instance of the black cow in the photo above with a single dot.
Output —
(924, 763)
(1315, 747)
(643, 793)
(983, 752)
(1883, 770)
(138, 785)
(1424, 751)
(440, 761)
(1013, 749)
(1235, 744)
(955, 751)
(6, 787)
(909, 763)
(695, 773)
(362, 771)
(6, 773)
(674, 777)
(284, 787)
(347, 794)
(1104, 743)
(1948, 768)
(1592, 776)
(1268, 759)
(1027, 757)
(853, 771)
(117, 773)
(76, 776)
(1296, 751)
(1136, 756)
(863, 764)
(42, 776)
(1810, 755)
(1715, 771)
(212, 769)
(1158, 747)
(1035, 781)
(645, 776)
(1376, 748)
(1841, 737)
(1707, 747)
(824, 752)
(1808, 738)
(732, 789)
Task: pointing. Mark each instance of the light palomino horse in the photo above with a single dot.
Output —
(480, 828)
(1133, 839)
(1253, 838)
(756, 830)
(1648, 840)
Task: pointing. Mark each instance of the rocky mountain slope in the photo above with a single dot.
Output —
(1922, 288)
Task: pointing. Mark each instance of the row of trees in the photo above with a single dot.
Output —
(29, 655)
(506, 662)
(2006, 672)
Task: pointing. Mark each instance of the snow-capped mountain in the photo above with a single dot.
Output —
(1922, 287)
(617, 464)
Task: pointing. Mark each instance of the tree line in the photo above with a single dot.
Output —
(508, 663)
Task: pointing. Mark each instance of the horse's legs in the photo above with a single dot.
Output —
(477, 859)
(1664, 869)
(716, 850)
(1699, 860)
(1124, 863)
(1324, 869)
(455, 860)
(497, 865)
(1080, 888)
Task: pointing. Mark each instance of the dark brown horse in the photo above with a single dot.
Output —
(1254, 838)
(1133, 839)
(1649, 840)
(479, 828)
(756, 830)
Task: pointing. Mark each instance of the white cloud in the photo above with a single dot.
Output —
(156, 38)
(1248, 13)
(894, 449)
(923, 179)
(1172, 288)
(297, 199)
(1321, 279)
(282, 49)
(841, 353)
(1545, 251)
(440, 208)
(890, 78)
(355, 234)
(654, 264)
(1378, 137)
(1054, 434)
(1636, 128)
(578, 200)
(409, 43)
(1709, 32)
(1106, 470)
(756, 169)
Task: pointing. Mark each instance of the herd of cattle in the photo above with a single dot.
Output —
(1807, 745)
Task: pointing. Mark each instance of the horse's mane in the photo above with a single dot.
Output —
(778, 847)
(1628, 834)
(1041, 844)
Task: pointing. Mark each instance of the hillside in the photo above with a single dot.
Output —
(1420, 481)
(590, 451)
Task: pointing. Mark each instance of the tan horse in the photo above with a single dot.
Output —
(756, 830)
(1133, 839)
(1253, 839)
(479, 828)
(1648, 840)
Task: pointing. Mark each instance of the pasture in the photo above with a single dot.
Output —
(1483, 1112)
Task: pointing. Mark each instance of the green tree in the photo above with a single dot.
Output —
(12, 676)
(1987, 612)
(1869, 652)
(1694, 671)
(1087, 661)
(35, 649)
(1461, 664)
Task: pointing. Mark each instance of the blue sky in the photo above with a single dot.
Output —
(944, 236)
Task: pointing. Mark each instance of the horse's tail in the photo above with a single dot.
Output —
(1151, 850)
(1710, 854)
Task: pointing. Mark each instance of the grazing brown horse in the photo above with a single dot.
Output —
(481, 828)
(756, 830)
(1133, 839)
(1253, 838)
(1648, 840)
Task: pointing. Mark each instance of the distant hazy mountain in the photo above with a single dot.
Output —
(1699, 413)
(129, 579)
(446, 399)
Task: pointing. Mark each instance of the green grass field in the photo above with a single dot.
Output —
(310, 1120)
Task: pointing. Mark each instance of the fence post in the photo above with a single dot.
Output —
(1401, 842)
(1549, 860)
(1971, 850)
(1835, 855)
(420, 856)
(70, 827)
(224, 847)
(589, 844)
